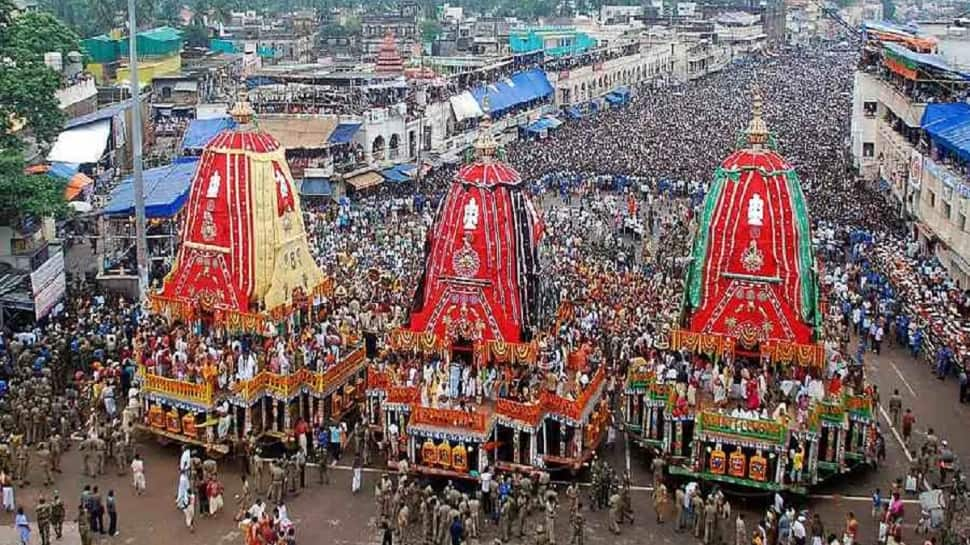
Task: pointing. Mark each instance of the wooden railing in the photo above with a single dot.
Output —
(402, 394)
(200, 394)
(529, 413)
(448, 418)
(283, 386)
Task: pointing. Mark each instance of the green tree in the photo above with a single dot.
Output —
(31, 35)
(28, 109)
(430, 29)
(27, 194)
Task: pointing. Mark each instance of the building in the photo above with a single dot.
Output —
(742, 30)
(619, 14)
(552, 41)
(402, 23)
(159, 54)
(644, 62)
(908, 138)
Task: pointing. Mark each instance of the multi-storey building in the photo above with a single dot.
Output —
(910, 134)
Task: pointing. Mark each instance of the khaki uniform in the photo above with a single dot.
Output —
(43, 516)
(57, 516)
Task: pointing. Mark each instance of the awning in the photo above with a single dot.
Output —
(622, 92)
(300, 132)
(65, 171)
(316, 187)
(76, 185)
(906, 62)
(465, 106)
(949, 126)
(573, 112)
(201, 131)
(521, 88)
(543, 123)
(395, 175)
(343, 134)
(84, 144)
(613, 99)
(166, 189)
(365, 180)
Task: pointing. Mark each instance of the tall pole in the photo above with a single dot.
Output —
(141, 242)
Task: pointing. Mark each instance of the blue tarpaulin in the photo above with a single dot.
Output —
(65, 171)
(166, 189)
(399, 173)
(573, 112)
(949, 126)
(543, 123)
(316, 187)
(343, 134)
(622, 92)
(201, 131)
(508, 93)
(613, 98)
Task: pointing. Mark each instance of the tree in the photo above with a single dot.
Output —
(27, 194)
(29, 108)
(430, 29)
(31, 35)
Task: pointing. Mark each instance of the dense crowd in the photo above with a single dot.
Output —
(618, 191)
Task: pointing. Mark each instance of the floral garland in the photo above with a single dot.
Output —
(711, 344)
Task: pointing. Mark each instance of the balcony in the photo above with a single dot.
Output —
(902, 106)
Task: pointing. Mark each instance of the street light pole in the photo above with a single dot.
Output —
(141, 243)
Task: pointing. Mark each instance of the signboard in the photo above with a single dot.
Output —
(563, 75)
(48, 284)
(762, 430)
(915, 169)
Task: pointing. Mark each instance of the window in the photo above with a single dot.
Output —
(166, 92)
(869, 109)
(932, 199)
(868, 149)
(962, 221)
(947, 209)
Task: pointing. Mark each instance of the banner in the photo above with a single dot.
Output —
(916, 169)
(48, 283)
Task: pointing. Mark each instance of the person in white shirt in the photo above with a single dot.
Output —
(138, 474)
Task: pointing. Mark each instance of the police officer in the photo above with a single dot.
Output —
(57, 515)
(43, 516)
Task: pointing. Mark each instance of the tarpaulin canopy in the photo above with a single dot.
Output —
(344, 133)
(365, 180)
(400, 173)
(76, 185)
(949, 126)
(200, 131)
(65, 171)
(300, 132)
(465, 106)
(521, 88)
(613, 98)
(166, 189)
(316, 187)
(622, 92)
(573, 112)
(543, 123)
(906, 63)
(84, 144)
(394, 175)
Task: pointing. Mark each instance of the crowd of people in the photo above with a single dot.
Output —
(618, 191)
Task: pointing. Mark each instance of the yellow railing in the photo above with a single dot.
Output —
(200, 394)
(265, 383)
